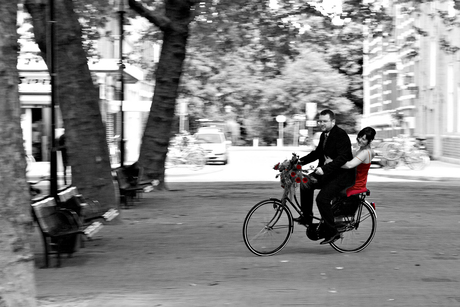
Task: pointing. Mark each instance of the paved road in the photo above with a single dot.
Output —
(184, 248)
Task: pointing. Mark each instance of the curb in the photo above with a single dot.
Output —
(178, 172)
(416, 177)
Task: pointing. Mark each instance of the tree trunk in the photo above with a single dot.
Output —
(78, 100)
(17, 282)
(157, 132)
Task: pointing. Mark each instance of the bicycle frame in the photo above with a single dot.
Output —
(294, 204)
(290, 192)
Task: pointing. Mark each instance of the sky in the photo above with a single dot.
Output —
(329, 7)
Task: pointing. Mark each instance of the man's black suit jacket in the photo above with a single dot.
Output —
(338, 148)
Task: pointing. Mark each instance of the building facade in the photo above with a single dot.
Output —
(412, 77)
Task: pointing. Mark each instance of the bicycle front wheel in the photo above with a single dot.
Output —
(417, 159)
(267, 227)
(358, 232)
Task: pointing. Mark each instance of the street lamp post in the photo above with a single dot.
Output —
(51, 67)
(280, 119)
(311, 109)
(121, 12)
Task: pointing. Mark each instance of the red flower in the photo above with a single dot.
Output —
(293, 174)
(304, 180)
(297, 179)
(277, 166)
(298, 166)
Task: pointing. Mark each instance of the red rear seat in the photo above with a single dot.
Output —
(354, 192)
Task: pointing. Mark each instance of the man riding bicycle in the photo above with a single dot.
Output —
(333, 151)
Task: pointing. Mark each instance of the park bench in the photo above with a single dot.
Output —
(60, 228)
(130, 183)
(88, 210)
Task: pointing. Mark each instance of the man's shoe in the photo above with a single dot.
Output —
(331, 239)
(301, 220)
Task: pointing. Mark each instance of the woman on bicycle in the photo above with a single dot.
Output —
(362, 158)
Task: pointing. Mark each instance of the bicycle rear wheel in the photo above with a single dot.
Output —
(358, 232)
(196, 160)
(392, 151)
(267, 227)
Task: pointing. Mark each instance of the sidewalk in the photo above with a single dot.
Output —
(435, 171)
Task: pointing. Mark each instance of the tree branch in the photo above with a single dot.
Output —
(37, 11)
(154, 17)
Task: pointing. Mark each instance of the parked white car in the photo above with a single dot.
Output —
(214, 144)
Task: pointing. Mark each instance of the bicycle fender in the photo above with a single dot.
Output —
(375, 211)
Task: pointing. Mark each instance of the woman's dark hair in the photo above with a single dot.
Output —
(368, 132)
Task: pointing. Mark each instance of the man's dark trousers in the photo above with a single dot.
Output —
(330, 188)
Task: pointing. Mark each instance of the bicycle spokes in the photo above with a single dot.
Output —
(267, 227)
(358, 232)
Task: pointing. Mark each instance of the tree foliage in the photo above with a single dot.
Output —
(93, 16)
(252, 57)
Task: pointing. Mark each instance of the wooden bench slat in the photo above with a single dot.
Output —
(92, 229)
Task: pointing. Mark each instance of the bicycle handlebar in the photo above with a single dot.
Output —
(291, 172)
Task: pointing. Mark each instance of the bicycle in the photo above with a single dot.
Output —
(406, 150)
(189, 155)
(268, 226)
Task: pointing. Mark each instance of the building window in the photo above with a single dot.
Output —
(458, 108)
(433, 7)
(451, 9)
(433, 64)
(450, 99)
